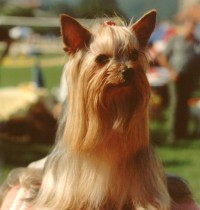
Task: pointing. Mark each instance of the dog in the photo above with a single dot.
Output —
(103, 159)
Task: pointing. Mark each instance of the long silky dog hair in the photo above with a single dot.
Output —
(102, 159)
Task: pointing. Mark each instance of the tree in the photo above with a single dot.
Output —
(61, 7)
(97, 8)
(11, 10)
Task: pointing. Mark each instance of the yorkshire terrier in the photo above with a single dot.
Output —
(103, 159)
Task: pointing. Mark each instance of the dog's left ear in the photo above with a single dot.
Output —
(74, 35)
(144, 27)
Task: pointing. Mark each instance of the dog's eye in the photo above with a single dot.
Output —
(134, 55)
(102, 59)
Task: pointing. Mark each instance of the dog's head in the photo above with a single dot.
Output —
(108, 88)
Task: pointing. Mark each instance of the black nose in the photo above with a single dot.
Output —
(127, 74)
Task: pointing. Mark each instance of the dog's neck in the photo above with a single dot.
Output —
(121, 145)
(108, 171)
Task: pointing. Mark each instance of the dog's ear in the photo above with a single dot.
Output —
(74, 35)
(144, 27)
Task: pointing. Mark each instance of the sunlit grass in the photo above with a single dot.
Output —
(183, 160)
(51, 70)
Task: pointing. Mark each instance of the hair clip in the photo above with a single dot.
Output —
(109, 23)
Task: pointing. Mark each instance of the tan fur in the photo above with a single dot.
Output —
(103, 159)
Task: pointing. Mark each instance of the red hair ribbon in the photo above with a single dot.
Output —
(109, 23)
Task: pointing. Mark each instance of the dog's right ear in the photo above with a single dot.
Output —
(74, 35)
(144, 27)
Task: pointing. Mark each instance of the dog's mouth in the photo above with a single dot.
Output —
(123, 83)
(119, 86)
(125, 86)
(126, 82)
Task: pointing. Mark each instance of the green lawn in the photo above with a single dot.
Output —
(179, 158)
(183, 160)
(13, 77)
(23, 67)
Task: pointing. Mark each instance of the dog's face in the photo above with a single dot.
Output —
(106, 71)
(109, 63)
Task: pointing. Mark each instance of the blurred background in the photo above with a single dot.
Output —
(31, 64)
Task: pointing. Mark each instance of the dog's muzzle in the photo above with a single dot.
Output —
(127, 74)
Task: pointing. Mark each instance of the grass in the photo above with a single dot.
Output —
(10, 77)
(181, 159)
(15, 71)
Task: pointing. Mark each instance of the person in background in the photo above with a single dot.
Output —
(182, 59)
